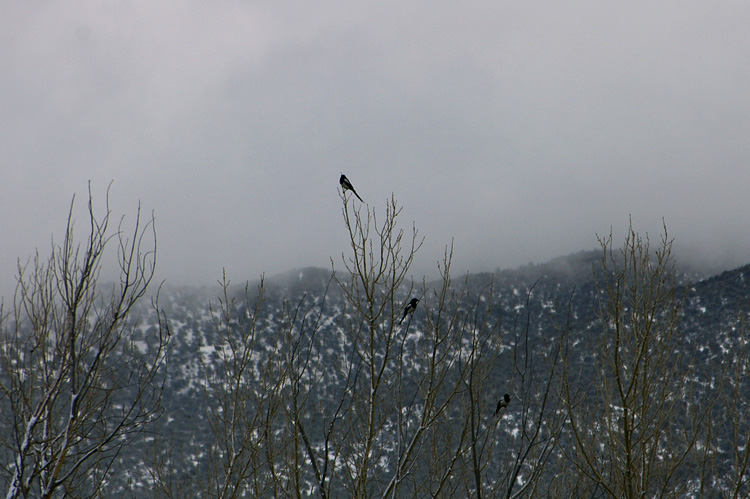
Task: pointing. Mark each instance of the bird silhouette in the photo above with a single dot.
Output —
(410, 308)
(347, 186)
(502, 404)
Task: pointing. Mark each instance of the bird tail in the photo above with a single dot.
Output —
(355, 193)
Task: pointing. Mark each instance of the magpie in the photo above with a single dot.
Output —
(346, 185)
(410, 308)
(502, 404)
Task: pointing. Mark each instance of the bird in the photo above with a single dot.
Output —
(502, 404)
(410, 308)
(346, 185)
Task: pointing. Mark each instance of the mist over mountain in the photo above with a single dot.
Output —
(574, 267)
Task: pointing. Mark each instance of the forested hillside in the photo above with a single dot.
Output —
(543, 312)
(625, 377)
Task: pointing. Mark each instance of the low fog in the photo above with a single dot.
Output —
(515, 131)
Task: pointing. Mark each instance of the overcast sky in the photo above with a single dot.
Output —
(519, 129)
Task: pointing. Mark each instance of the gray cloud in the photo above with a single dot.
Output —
(520, 130)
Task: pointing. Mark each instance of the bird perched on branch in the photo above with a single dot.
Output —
(347, 186)
(410, 308)
(502, 404)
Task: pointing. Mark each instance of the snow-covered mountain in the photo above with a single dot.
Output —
(535, 303)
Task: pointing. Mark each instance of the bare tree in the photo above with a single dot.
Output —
(420, 418)
(723, 462)
(625, 442)
(243, 394)
(376, 269)
(257, 367)
(78, 382)
(348, 393)
(526, 448)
